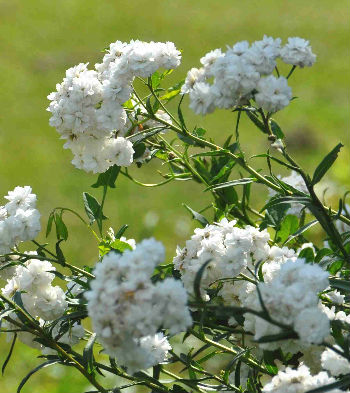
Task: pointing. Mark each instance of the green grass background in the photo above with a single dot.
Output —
(40, 39)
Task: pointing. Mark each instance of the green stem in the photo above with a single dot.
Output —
(291, 71)
(326, 221)
(239, 160)
(248, 361)
(39, 332)
(80, 218)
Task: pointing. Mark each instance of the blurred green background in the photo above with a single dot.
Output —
(40, 39)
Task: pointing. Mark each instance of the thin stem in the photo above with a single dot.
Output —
(239, 160)
(80, 218)
(248, 361)
(177, 378)
(326, 221)
(126, 174)
(291, 71)
(38, 331)
(41, 258)
(277, 71)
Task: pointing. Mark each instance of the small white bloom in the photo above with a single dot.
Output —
(273, 94)
(298, 52)
(334, 363)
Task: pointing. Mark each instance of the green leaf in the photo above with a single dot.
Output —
(43, 365)
(274, 215)
(288, 226)
(197, 216)
(308, 254)
(340, 284)
(156, 79)
(59, 253)
(8, 357)
(211, 153)
(326, 163)
(288, 199)
(180, 115)
(231, 183)
(335, 267)
(121, 231)
(198, 278)
(171, 94)
(137, 139)
(224, 172)
(61, 229)
(92, 208)
(139, 149)
(49, 224)
(199, 132)
(276, 129)
(108, 178)
(256, 121)
(301, 230)
(120, 246)
(88, 354)
(149, 106)
(277, 337)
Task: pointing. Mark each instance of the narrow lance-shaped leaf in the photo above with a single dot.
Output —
(197, 216)
(198, 278)
(326, 163)
(43, 365)
(301, 230)
(8, 357)
(88, 354)
(231, 183)
(49, 224)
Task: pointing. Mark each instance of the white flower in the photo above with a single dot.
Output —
(240, 48)
(335, 297)
(312, 325)
(273, 94)
(334, 363)
(126, 307)
(262, 54)
(48, 304)
(194, 75)
(231, 250)
(291, 298)
(201, 99)
(19, 219)
(97, 155)
(34, 275)
(20, 198)
(87, 107)
(209, 59)
(298, 52)
(298, 381)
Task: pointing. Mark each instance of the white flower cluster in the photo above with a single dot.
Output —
(19, 218)
(334, 363)
(244, 72)
(87, 108)
(298, 381)
(40, 298)
(289, 291)
(296, 181)
(291, 298)
(231, 251)
(127, 309)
